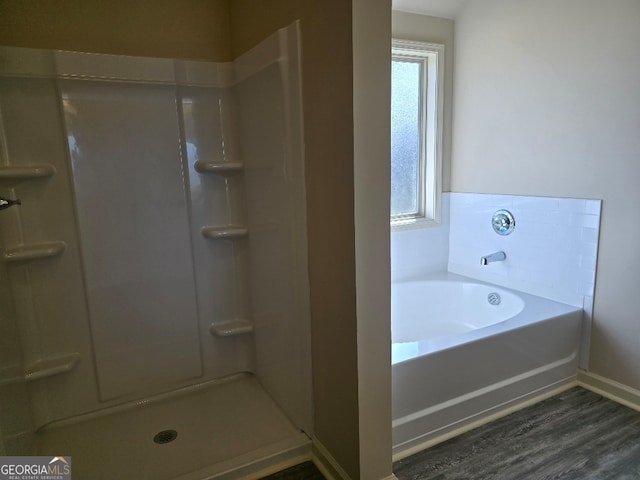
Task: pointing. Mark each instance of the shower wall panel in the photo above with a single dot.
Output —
(270, 127)
(163, 243)
(221, 264)
(15, 423)
(134, 228)
(47, 292)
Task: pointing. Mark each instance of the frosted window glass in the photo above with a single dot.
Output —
(405, 137)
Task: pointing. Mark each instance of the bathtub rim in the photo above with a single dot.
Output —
(548, 309)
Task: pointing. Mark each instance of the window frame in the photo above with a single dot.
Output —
(431, 55)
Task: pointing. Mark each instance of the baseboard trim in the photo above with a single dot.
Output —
(618, 392)
(324, 461)
(494, 415)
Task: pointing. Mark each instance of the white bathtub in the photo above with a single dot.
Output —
(458, 357)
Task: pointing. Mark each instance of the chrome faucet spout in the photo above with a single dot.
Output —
(493, 257)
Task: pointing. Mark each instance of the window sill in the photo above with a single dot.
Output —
(413, 224)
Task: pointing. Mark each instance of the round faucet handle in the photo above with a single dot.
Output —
(503, 222)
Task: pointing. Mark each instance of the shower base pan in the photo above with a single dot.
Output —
(226, 429)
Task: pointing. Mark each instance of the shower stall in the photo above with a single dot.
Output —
(154, 313)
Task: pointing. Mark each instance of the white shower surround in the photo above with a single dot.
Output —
(268, 199)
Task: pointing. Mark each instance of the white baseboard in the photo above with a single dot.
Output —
(618, 392)
(606, 387)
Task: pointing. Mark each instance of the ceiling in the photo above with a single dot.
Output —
(437, 8)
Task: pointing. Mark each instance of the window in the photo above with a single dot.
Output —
(416, 137)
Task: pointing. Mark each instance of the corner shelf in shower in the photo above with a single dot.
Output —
(230, 328)
(33, 251)
(225, 231)
(222, 168)
(45, 368)
(48, 367)
(27, 172)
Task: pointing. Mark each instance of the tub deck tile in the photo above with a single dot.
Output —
(574, 435)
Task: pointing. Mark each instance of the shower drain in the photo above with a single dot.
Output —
(165, 436)
(494, 298)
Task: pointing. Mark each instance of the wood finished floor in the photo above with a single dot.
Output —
(576, 435)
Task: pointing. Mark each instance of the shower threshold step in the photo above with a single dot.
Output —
(223, 429)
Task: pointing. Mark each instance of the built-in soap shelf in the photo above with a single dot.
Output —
(222, 168)
(26, 172)
(235, 327)
(48, 367)
(45, 368)
(225, 231)
(230, 328)
(33, 251)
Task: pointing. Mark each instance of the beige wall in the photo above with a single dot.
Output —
(409, 26)
(196, 29)
(547, 103)
(372, 145)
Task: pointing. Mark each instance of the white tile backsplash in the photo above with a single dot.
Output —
(421, 251)
(551, 253)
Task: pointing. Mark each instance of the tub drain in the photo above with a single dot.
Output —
(165, 436)
(494, 298)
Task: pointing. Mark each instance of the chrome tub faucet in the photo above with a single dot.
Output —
(494, 257)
